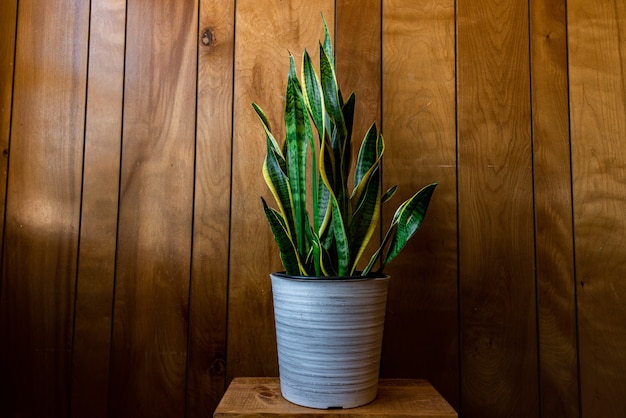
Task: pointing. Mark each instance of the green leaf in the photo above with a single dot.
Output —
(288, 252)
(296, 145)
(323, 207)
(348, 113)
(379, 251)
(389, 194)
(328, 43)
(314, 259)
(409, 218)
(346, 146)
(278, 183)
(266, 127)
(312, 92)
(331, 92)
(341, 239)
(326, 263)
(262, 116)
(368, 154)
(339, 184)
(327, 165)
(365, 217)
(327, 174)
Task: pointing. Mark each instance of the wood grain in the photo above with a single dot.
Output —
(265, 36)
(553, 210)
(8, 21)
(207, 343)
(261, 397)
(598, 110)
(96, 265)
(421, 329)
(42, 208)
(496, 243)
(358, 57)
(150, 325)
(358, 51)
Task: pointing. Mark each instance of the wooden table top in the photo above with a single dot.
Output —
(260, 397)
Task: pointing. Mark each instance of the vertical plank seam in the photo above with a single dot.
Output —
(534, 203)
(573, 211)
(458, 221)
(6, 183)
(193, 214)
(381, 91)
(80, 219)
(230, 206)
(117, 224)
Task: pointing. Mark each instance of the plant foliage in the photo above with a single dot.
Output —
(318, 128)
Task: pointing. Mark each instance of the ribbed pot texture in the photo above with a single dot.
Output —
(329, 335)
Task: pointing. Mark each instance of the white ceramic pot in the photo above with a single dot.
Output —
(329, 335)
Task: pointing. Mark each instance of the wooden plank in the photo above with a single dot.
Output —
(553, 210)
(256, 397)
(358, 57)
(96, 268)
(8, 21)
(496, 249)
(265, 36)
(421, 329)
(42, 208)
(358, 52)
(150, 325)
(207, 350)
(598, 110)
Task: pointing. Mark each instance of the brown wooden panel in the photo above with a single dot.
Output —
(553, 211)
(96, 266)
(358, 57)
(42, 212)
(207, 350)
(265, 36)
(421, 330)
(150, 326)
(8, 20)
(497, 280)
(598, 126)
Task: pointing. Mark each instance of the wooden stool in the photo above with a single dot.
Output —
(260, 396)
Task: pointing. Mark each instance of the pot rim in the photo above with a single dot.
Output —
(283, 275)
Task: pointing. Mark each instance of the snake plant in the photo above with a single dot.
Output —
(321, 226)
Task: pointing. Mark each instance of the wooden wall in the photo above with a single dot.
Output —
(135, 254)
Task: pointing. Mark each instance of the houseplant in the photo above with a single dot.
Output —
(322, 226)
